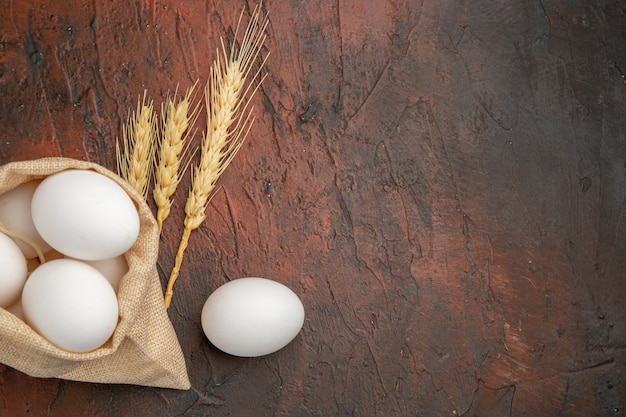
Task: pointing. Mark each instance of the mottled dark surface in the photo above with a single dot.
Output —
(442, 183)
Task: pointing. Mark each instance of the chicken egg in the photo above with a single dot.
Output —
(13, 271)
(113, 269)
(71, 304)
(252, 317)
(85, 215)
(15, 215)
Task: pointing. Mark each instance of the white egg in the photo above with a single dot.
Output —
(15, 215)
(71, 304)
(85, 215)
(113, 269)
(252, 317)
(13, 271)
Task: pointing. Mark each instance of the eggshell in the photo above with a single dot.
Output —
(113, 269)
(13, 271)
(15, 215)
(252, 317)
(71, 304)
(85, 215)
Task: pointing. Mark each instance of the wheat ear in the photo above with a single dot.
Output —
(136, 160)
(178, 118)
(227, 97)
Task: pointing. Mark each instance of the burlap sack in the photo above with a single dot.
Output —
(144, 349)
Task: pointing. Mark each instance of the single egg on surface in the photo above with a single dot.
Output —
(71, 304)
(85, 215)
(252, 317)
(15, 215)
(13, 271)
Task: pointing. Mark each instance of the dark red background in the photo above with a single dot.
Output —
(442, 183)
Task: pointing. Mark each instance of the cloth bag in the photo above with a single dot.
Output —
(143, 350)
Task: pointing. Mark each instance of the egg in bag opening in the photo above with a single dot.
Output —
(85, 222)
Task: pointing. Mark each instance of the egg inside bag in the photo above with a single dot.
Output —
(15, 215)
(113, 269)
(252, 317)
(89, 306)
(84, 215)
(81, 214)
(13, 271)
(71, 304)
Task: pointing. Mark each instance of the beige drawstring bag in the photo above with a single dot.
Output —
(143, 350)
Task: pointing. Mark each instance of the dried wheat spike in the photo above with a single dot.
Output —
(178, 118)
(135, 160)
(227, 97)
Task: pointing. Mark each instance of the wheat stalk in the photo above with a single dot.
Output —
(135, 160)
(178, 118)
(227, 97)
(25, 239)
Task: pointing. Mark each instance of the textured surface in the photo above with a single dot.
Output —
(442, 183)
